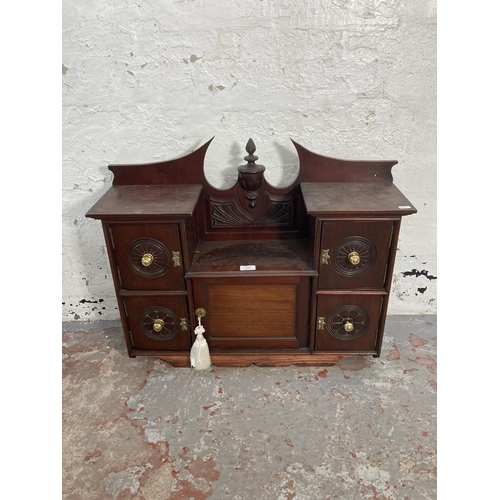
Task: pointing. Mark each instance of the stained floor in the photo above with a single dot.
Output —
(140, 429)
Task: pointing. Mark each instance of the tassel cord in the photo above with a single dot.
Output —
(200, 355)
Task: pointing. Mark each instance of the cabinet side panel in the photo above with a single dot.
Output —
(108, 237)
(388, 284)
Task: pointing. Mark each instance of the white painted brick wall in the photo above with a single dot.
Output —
(147, 81)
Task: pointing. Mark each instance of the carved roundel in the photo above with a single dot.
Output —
(353, 256)
(149, 257)
(347, 322)
(159, 323)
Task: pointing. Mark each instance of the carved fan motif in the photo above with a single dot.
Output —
(352, 316)
(149, 257)
(225, 214)
(159, 316)
(361, 247)
(280, 213)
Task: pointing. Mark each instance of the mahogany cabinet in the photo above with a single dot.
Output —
(296, 275)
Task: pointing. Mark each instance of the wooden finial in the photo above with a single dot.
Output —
(250, 176)
(250, 147)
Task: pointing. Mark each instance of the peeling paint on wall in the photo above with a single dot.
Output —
(86, 309)
(416, 273)
(416, 289)
(346, 79)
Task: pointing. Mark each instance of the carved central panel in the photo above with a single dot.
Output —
(226, 214)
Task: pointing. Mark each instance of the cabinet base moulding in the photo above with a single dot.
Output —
(241, 360)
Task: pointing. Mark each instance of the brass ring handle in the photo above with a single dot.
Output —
(354, 258)
(147, 259)
(158, 325)
(348, 326)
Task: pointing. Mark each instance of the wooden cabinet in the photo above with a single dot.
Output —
(296, 275)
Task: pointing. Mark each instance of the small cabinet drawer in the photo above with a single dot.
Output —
(148, 256)
(354, 254)
(348, 322)
(158, 322)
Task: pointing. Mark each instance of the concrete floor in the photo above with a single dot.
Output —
(140, 429)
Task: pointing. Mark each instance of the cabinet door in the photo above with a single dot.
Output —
(254, 312)
(148, 256)
(348, 322)
(354, 254)
(158, 322)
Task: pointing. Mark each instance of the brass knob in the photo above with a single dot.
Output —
(348, 326)
(147, 259)
(158, 325)
(354, 258)
(200, 313)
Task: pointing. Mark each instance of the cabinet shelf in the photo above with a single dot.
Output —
(253, 258)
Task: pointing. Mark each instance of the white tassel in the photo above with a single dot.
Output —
(200, 355)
